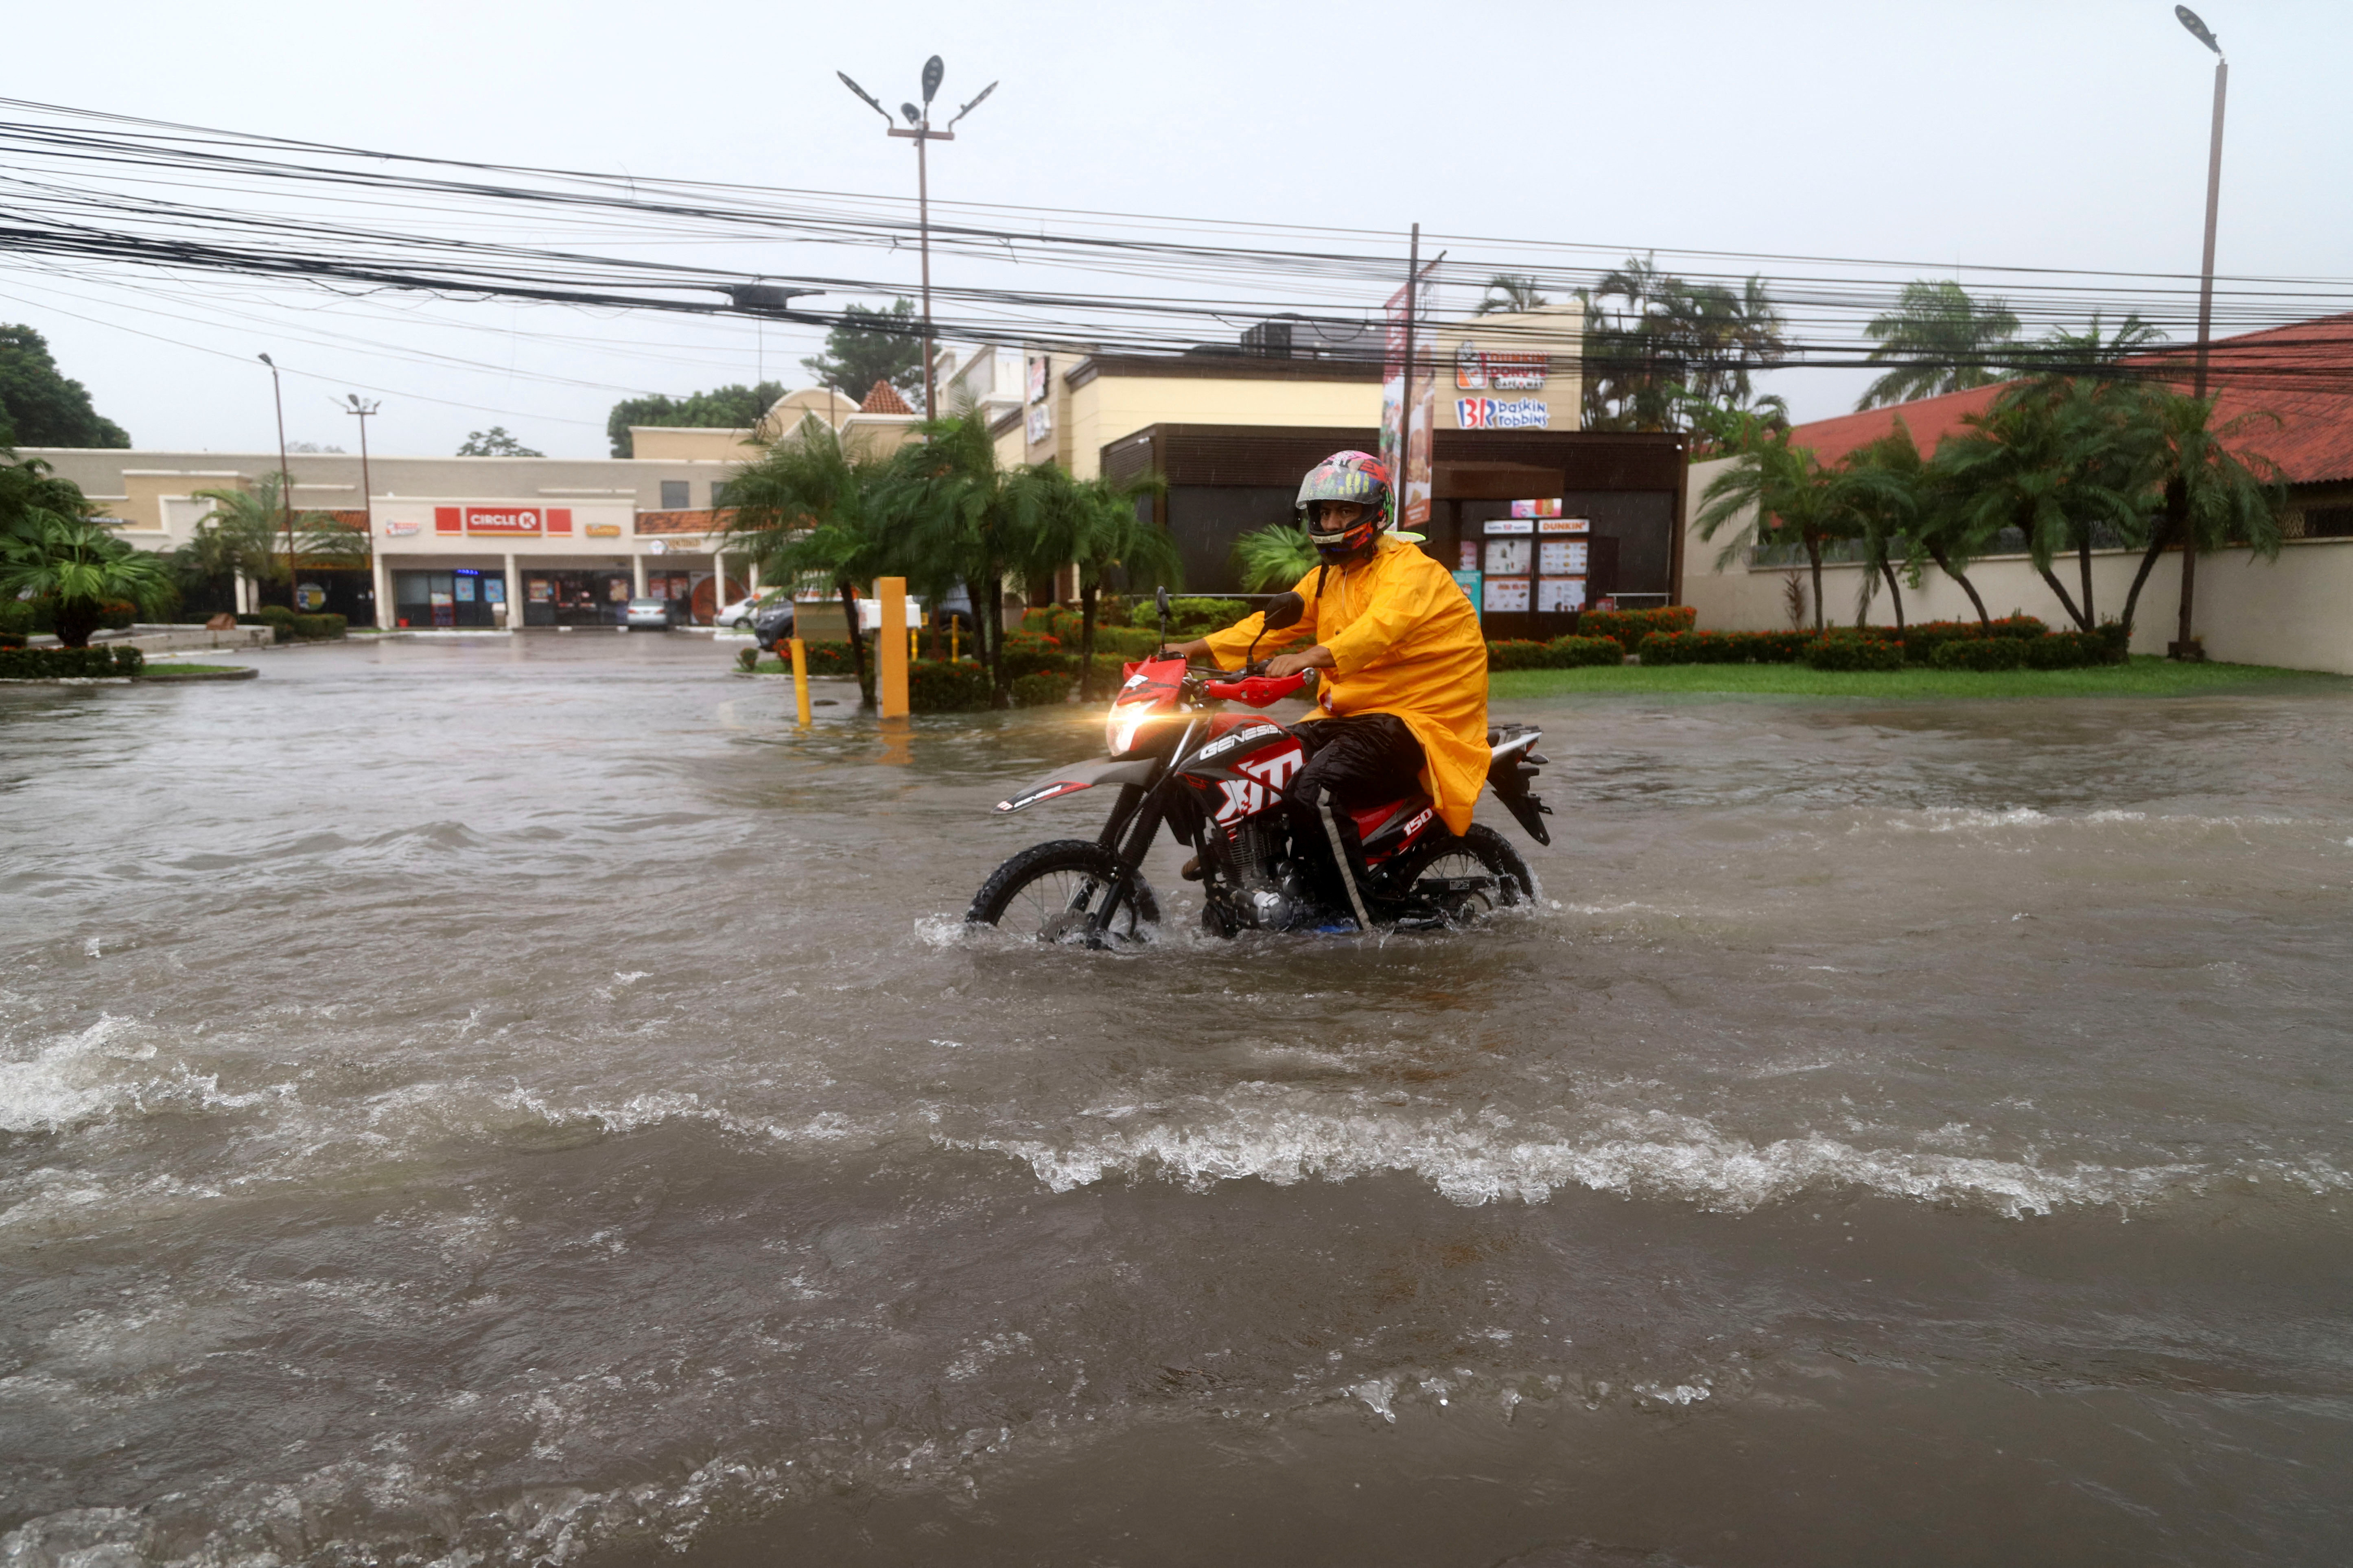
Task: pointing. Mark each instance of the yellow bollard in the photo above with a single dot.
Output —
(800, 682)
(911, 654)
(955, 627)
(890, 679)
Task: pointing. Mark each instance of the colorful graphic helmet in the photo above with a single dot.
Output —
(1358, 477)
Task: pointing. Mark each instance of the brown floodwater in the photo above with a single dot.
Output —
(510, 1100)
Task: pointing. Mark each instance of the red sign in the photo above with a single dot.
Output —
(514, 520)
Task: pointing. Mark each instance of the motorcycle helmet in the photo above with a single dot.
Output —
(1358, 477)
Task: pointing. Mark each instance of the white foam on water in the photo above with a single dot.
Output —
(1479, 1159)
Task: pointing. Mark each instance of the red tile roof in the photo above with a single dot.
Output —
(884, 399)
(2303, 373)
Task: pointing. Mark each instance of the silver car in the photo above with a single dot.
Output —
(649, 614)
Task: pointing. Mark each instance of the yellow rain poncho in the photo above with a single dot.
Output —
(1404, 640)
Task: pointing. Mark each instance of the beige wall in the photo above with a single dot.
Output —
(679, 443)
(2295, 612)
(1111, 406)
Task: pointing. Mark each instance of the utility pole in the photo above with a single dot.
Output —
(285, 480)
(2184, 646)
(919, 131)
(367, 491)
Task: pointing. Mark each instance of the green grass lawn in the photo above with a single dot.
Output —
(192, 671)
(2145, 677)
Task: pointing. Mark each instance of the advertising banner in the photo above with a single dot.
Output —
(1536, 507)
(1408, 408)
(1508, 557)
(1566, 525)
(1483, 369)
(1559, 595)
(1506, 595)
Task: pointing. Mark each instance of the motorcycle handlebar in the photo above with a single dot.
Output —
(1257, 690)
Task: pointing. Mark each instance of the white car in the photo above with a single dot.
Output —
(741, 612)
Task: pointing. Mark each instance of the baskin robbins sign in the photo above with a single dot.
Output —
(512, 521)
(1502, 413)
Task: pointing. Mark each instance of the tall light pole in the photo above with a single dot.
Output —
(2186, 646)
(919, 130)
(355, 405)
(285, 480)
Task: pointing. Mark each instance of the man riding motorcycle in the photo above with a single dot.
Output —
(1404, 682)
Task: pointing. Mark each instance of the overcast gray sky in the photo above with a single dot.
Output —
(2068, 135)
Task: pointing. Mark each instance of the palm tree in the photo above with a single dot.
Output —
(805, 508)
(1782, 492)
(1112, 533)
(252, 532)
(1932, 524)
(81, 566)
(1654, 344)
(2056, 459)
(1884, 488)
(1509, 293)
(959, 515)
(1273, 557)
(2213, 496)
(1941, 339)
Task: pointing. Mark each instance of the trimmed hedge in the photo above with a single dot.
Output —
(1561, 653)
(1631, 626)
(1035, 653)
(1046, 688)
(2074, 650)
(320, 627)
(828, 658)
(936, 686)
(52, 663)
(1980, 654)
(1726, 647)
(1856, 652)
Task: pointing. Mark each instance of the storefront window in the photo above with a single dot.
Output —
(453, 599)
(574, 599)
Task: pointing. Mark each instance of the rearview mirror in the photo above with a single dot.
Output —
(1285, 611)
(1160, 598)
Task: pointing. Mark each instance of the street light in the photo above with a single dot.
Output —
(2184, 646)
(918, 121)
(285, 480)
(353, 405)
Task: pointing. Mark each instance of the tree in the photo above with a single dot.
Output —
(960, 516)
(2212, 496)
(493, 442)
(808, 508)
(1941, 339)
(1931, 522)
(2058, 459)
(250, 534)
(1509, 293)
(81, 567)
(1107, 532)
(731, 407)
(1783, 493)
(29, 491)
(1884, 490)
(1274, 557)
(870, 346)
(1655, 346)
(39, 406)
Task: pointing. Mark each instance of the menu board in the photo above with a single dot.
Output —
(1558, 596)
(1561, 557)
(1509, 557)
(1506, 595)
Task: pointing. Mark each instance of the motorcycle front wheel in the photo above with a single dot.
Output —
(1052, 891)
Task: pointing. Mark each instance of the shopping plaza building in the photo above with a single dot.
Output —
(525, 542)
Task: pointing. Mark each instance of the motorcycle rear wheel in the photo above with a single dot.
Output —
(1479, 853)
(1049, 889)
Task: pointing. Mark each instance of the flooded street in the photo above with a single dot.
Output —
(516, 1099)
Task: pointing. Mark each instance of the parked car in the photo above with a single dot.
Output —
(773, 623)
(741, 612)
(652, 614)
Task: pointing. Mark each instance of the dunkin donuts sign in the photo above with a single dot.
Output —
(513, 521)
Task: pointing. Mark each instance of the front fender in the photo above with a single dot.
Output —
(1078, 776)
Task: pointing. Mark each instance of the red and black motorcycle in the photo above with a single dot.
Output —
(1215, 781)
